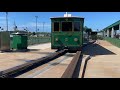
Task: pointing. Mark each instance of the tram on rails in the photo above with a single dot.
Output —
(67, 32)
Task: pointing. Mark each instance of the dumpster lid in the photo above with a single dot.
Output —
(18, 33)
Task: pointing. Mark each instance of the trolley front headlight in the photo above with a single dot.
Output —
(75, 39)
(56, 39)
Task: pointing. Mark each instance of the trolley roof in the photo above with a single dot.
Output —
(65, 17)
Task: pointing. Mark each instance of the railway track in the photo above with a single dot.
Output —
(55, 68)
(71, 67)
(21, 69)
(15, 71)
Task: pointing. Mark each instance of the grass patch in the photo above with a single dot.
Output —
(113, 41)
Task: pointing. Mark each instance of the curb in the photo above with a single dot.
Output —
(84, 60)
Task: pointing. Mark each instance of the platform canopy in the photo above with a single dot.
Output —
(115, 25)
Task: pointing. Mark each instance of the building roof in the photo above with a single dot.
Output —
(112, 25)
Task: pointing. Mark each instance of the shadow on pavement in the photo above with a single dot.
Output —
(95, 49)
(92, 50)
(84, 68)
(77, 69)
(33, 50)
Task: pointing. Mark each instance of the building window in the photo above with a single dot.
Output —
(66, 26)
(56, 26)
(76, 26)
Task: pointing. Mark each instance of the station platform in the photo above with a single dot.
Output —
(104, 61)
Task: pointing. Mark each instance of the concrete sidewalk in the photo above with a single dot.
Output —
(104, 62)
(40, 46)
(12, 59)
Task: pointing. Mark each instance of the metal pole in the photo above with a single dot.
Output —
(43, 26)
(7, 20)
(36, 23)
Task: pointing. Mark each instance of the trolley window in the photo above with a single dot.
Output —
(66, 26)
(76, 26)
(56, 26)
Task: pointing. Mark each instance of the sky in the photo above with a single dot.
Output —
(94, 20)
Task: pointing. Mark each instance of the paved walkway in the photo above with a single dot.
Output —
(40, 46)
(104, 62)
(12, 59)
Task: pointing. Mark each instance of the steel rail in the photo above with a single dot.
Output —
(71, 67)
(30, 65)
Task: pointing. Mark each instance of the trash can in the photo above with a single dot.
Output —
(19, 41)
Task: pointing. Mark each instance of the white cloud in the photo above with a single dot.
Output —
(32, 24)
(3, 23)
(39, 25)
(2, 18)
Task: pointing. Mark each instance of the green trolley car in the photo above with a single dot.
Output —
(67, 33)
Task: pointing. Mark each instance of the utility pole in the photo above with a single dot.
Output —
(43, 28)
(97, 30)
(7, 20)
(67, 14)
(36, 23)
(15, 27)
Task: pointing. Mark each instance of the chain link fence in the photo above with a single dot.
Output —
(38, 40)
(34, 40)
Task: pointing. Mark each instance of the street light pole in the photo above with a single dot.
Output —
(43, 26)
(36, 23)
(7, 20)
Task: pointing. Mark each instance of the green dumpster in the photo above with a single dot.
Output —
(19, 41)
